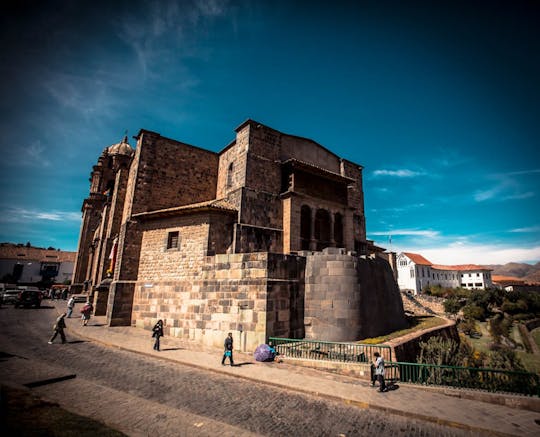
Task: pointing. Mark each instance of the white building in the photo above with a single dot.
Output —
(27, 264)
(415, 272)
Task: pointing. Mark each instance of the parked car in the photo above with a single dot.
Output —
(11, 296)
(28, 298)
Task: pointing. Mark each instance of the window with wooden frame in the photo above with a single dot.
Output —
(173, 240)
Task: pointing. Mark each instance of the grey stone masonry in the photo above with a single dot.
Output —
(349, 297)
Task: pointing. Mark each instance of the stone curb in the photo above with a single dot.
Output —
(355, 403)
(352, 402)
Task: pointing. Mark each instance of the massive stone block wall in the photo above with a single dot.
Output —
(252, 295)
(381, 307)
(232, 167)
(332, 296)
(286, 296)
(171, 173)
(157, 263)
(263, 172)
(261, 209)
(349, 298)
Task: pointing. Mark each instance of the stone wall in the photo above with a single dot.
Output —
(332, 296)
(254, 296)
(349, 298)
(171, 173)
(406, 349)
(381, 307)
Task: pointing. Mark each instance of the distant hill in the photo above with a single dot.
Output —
(527, 272)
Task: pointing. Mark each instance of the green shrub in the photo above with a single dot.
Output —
(473, 311)
(452, 305)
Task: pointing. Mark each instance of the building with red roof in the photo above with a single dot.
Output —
(415, 272)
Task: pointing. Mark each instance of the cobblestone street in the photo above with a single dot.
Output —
(141, 395)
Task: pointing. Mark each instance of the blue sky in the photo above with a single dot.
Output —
(439, 101)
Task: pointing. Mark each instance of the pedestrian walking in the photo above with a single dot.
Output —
(379, 371)
(157, 333)
(228, 345)
(86, 311)
(70, 306)
(58, 328)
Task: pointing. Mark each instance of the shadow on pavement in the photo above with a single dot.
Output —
(173, 349)
(242, 364)
(76, 341)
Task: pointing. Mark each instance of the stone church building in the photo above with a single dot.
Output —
(265, 238)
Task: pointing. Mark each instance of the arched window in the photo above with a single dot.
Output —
(322, 228)
(230, 171)
(305, 227)
(338, 230)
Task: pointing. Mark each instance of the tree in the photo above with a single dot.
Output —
(499, 326)
(473, 311)
(452, 305)
(503, 358)
(440, 351)
(468, 326)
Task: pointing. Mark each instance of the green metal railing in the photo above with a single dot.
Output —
(329, 351)
(426, 374)
(464, 377)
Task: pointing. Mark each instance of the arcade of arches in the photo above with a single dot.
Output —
(320, 228)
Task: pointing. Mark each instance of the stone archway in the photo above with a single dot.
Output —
(322, 229)
(338, 229)
(305, 227)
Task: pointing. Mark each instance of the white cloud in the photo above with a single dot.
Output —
(164, 31)
(407, 232)
(506, 187)
(460, 253)
(15, 215)
(526, 230)
(519, 196)
(401, 173)
(523, 172)
(32, 156)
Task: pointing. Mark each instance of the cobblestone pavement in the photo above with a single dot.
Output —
(142, 395)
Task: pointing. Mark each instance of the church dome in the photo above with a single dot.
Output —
(122, 148)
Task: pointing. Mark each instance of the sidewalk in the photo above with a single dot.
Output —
(408, 401)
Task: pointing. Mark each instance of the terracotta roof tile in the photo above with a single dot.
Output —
(418, 259)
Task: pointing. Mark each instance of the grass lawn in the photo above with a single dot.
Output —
(530, 361)
(416, 323)
(481, 344)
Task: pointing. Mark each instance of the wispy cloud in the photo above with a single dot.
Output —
(15, 215)
(157, 34)
(27, 155)
(408, 232)
(477, 254)
(506, 187)
(519, 196)
(34, 155)
(525, 230)
(397, 209)
(523, 172)
(400, 173)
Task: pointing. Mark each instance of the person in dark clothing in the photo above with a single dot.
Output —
(157, 333)
(58, 327)
(228, 345)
